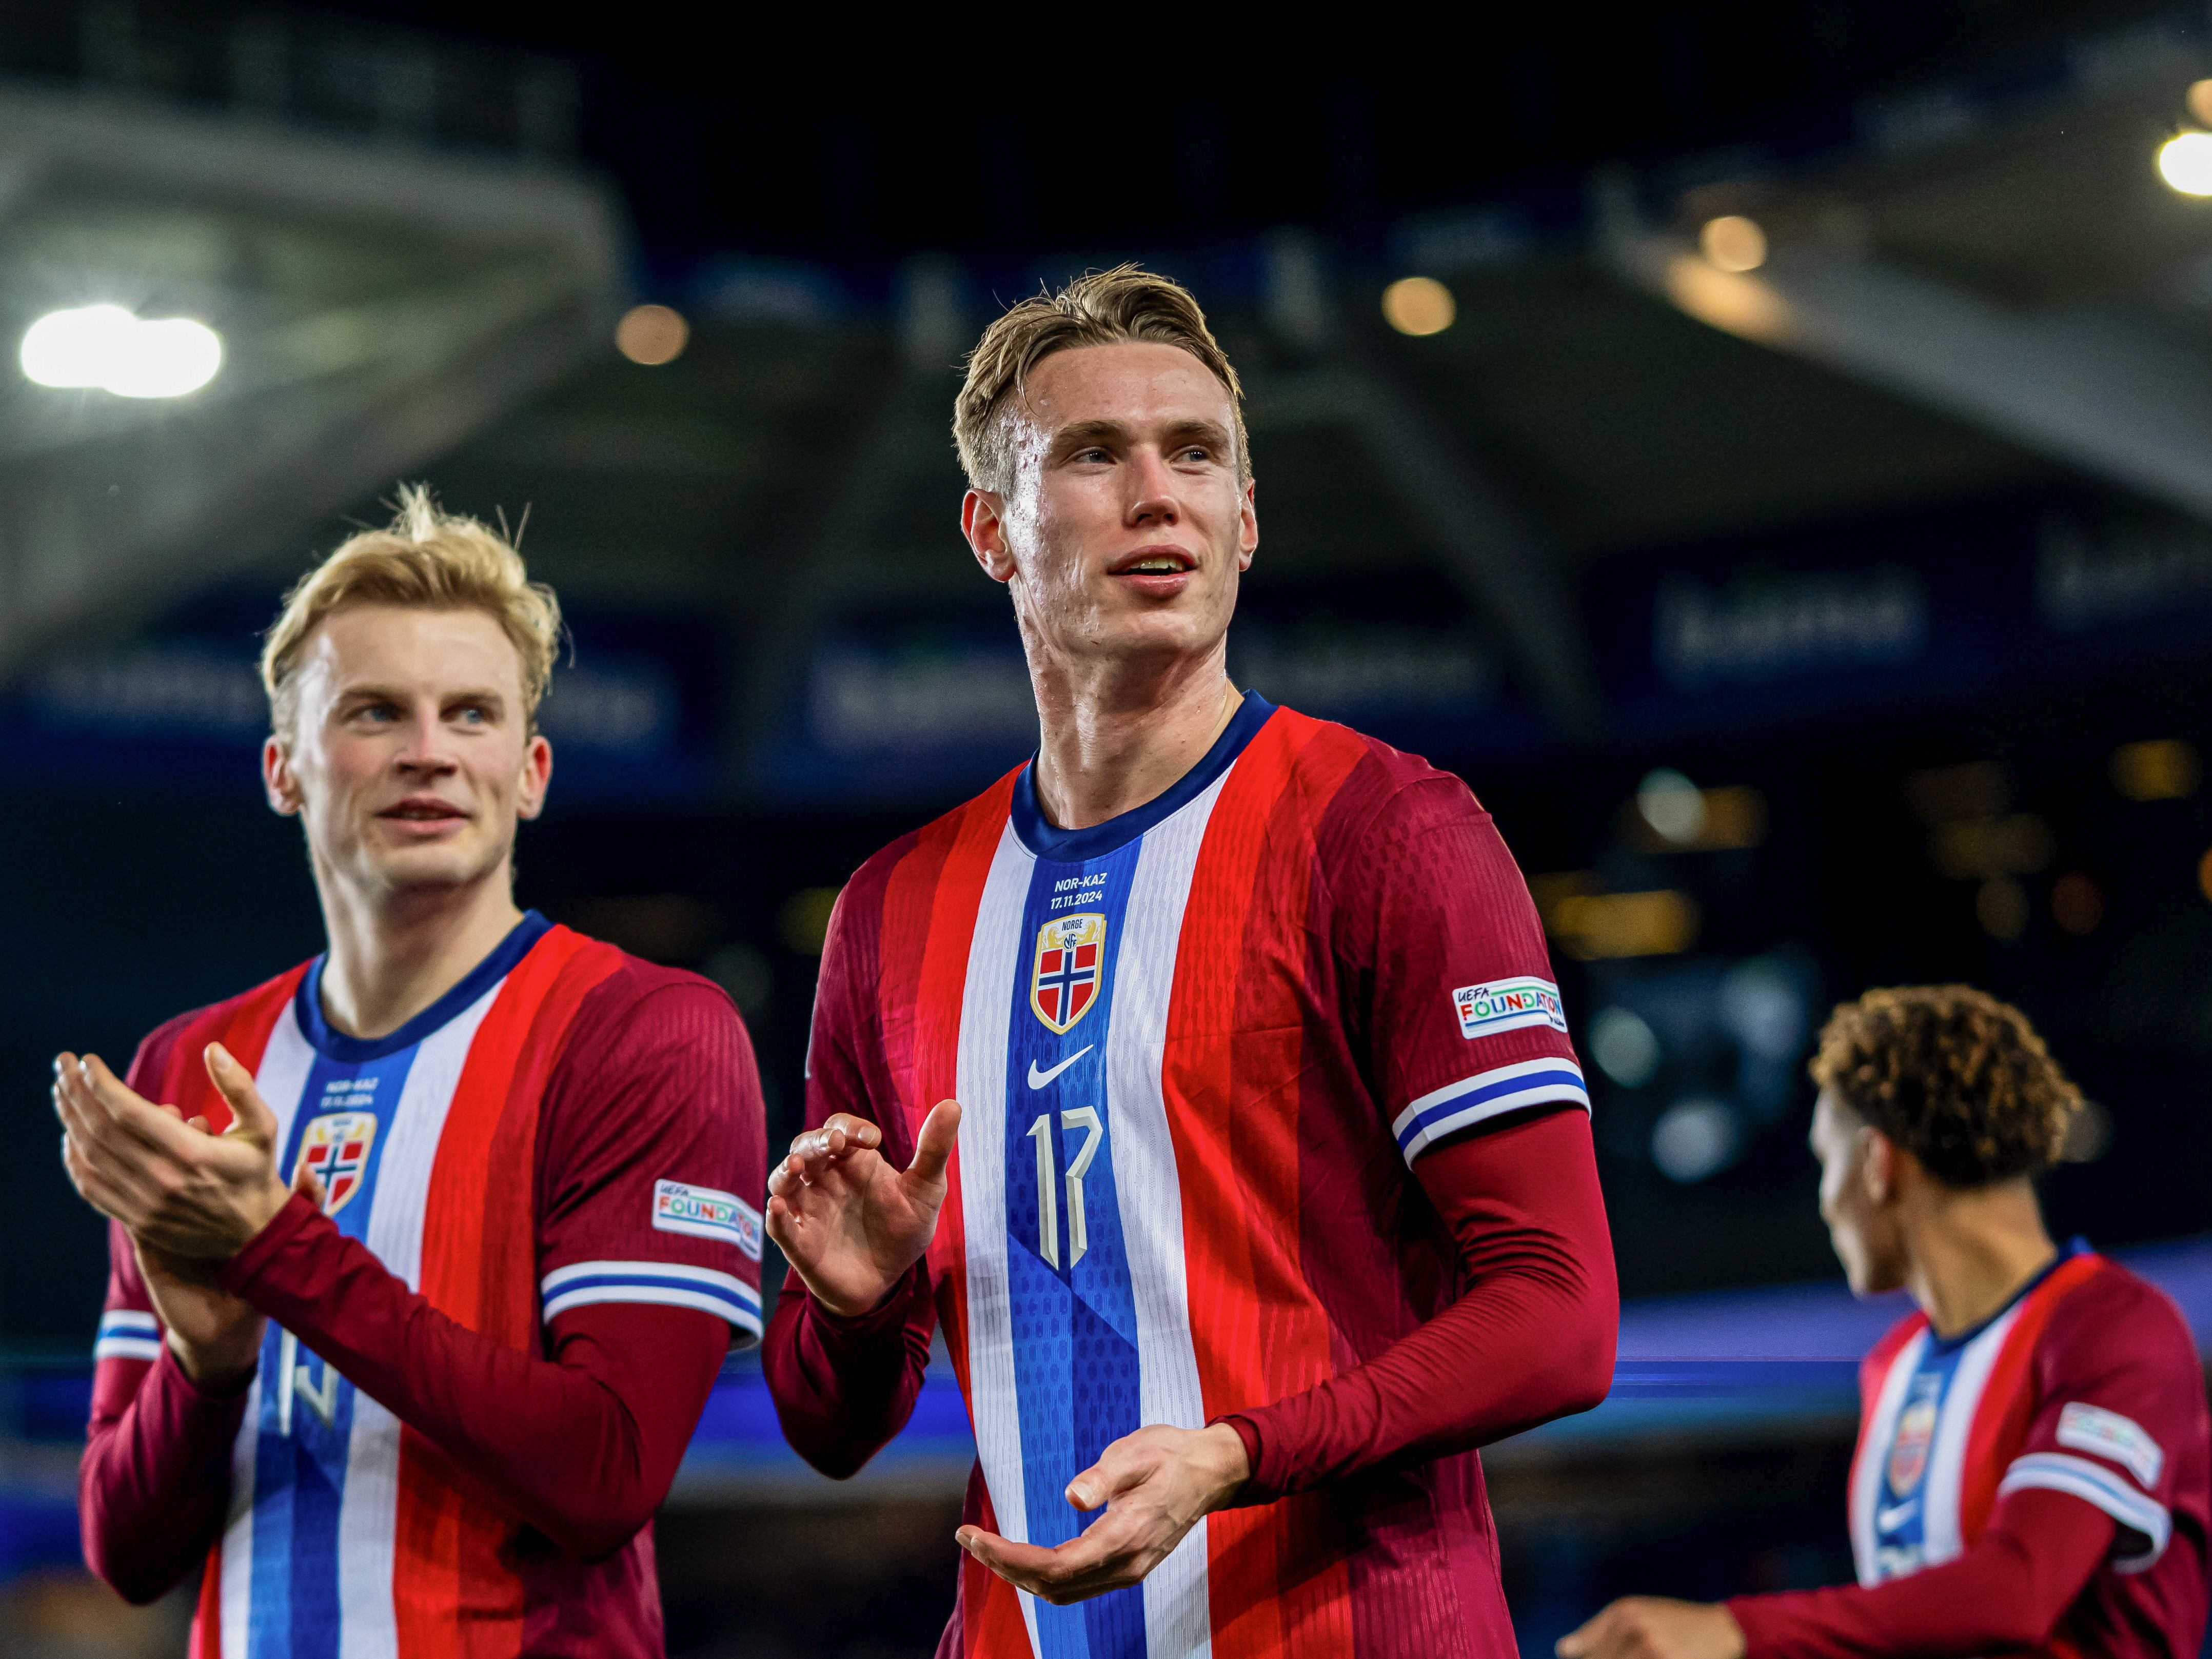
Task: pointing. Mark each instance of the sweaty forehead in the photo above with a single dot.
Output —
(1138, 383)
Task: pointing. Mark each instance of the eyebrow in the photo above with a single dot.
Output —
(1079, 434)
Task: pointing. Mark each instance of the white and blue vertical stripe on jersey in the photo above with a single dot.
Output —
(126, 1334)
(661, 1284)
(1900, 1515)
(305, 1427)
(1072, 1304)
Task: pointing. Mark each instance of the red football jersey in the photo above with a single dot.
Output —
(1198, 1047)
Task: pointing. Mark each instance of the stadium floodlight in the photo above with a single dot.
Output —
(2185, 163)
(1418, 304)
(1733, 243)
(106, 347)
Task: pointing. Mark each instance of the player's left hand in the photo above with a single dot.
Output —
(1156, 1484)
(187, 1194)
(1652, 1627)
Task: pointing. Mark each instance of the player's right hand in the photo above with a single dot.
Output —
(849, 1221)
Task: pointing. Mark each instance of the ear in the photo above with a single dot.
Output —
(537, 777)
(982, 521)
(1878, 1165)
(1248, 525)
(279, 782)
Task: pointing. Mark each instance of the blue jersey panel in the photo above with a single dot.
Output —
(1076, 1363)
(306, 1423)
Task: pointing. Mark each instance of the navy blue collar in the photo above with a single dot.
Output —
(1944, 1345)
(1074, 846)
(307, 1001)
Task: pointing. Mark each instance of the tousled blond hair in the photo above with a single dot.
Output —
(426, 559)
(1101, 307)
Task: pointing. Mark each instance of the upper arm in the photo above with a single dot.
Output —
(1448, 965)
(2122, 1415)
(655, 1151)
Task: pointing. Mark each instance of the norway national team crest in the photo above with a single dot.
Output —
(336, 1147)
(1064, 981)
(1915, 1428)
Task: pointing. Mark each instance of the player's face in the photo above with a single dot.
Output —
(411, 757)
(1127, 528)
(1864, 1233)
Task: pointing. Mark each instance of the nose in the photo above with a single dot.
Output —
(1152, 495)
(427, 751)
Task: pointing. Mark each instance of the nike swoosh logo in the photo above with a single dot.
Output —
(1888, 1520)
(1038, 1080)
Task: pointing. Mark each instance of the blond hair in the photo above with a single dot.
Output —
(427, 559)
(1101, 307)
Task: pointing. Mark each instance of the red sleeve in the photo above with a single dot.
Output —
(582, 1445)
(155, 1480)
(843, 1388)
(1531, 1338)
(2006, 1594)
(1448, 979)
(654, 1154)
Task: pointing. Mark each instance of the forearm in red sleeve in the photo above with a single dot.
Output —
(154, 1482)
(1531, 1338)
(2005, 1593)
(843, 1388)
(582, 1446)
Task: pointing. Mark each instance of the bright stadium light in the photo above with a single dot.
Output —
(1418, 304)
(106, 347)
(1733, 243)
(2185, 163)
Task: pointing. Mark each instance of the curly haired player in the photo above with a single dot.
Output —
(2032, 1473)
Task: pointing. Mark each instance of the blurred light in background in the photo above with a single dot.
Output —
(2199, 99)
(2076, 904)
(2185, 163)
(804, 920)
(2001, 906)
(1733, 242)
(2162, 770)
(107, 347)
(1626, 1048)
(1418, 304)
(1694, 1138)
(1592, 926)
(1671, 804)
(651, 335)
(2204, 875)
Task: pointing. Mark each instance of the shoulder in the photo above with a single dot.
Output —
(176, 1040)
(1879, 1357)
(643, 1006)
(2113, 1317)
(1373, 786)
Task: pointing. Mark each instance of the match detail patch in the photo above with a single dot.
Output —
(1507, 1004)
(2092, 1429)
(705, 1213)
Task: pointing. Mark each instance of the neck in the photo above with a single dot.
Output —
(394, 953)
(1970, 1252)
(1114, 734)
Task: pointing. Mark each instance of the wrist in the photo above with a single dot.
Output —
(222, 1367)
(1226, 1464)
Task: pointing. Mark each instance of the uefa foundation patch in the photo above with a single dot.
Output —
(705, 1213)
(1507, 1004)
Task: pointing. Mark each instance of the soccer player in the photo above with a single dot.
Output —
(1269, 1194)
(425, 1253)
(2033, 1473)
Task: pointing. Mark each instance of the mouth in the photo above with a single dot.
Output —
(423, 809)
(1154, 561)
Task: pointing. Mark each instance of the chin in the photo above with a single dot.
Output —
(434, 867)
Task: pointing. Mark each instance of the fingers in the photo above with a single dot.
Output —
(250, 1118)
(1122, 1465)
(1105, 1557)
(932, 1148)
(309, 1185)
(814, 1152)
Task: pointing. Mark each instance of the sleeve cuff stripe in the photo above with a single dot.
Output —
(2078, 1477)
(664, 1296)
(127, 1347)
(669, 1273)
(1479, 1097)
(119, 1320)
